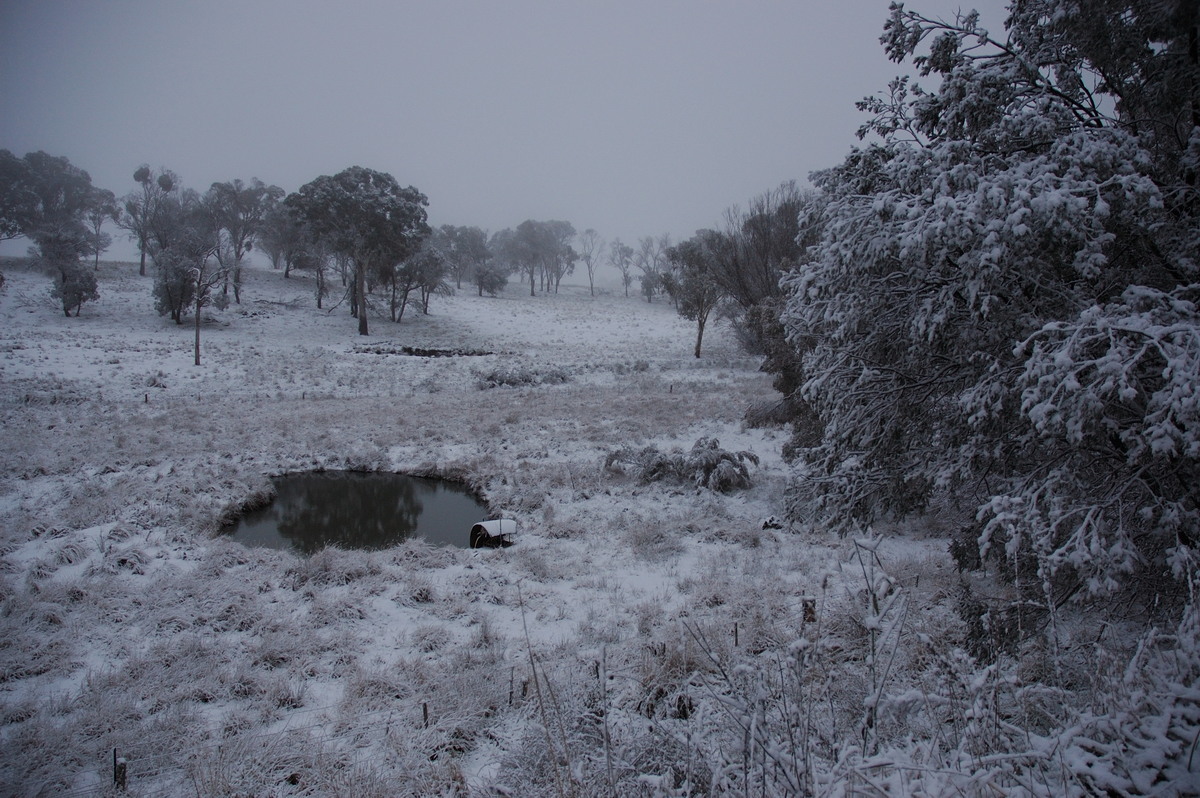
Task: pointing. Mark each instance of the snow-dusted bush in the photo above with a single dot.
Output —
(1112, 409)
(519, 375)
(706, 465)
(1002, 304)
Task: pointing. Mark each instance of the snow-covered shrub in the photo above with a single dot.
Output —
(707, 465)
(519, 375)
(989, 731)
(1111, 401)
(1002, 305)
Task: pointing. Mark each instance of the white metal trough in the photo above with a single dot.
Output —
(494, 534)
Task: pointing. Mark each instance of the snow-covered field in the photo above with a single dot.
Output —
(640, 639)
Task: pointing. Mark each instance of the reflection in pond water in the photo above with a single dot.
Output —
(360, 510)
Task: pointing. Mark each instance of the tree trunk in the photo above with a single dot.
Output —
(699, 333)
(197, 347)
(142, 250)
(360, 288)
(403, 304)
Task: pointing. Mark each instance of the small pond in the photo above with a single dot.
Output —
(360, 510)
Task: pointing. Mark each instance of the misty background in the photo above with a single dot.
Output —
(632, 118)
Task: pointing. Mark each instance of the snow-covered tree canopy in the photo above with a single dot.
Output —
(1001, 311)
(48, 199)
(365, 216)
(364, 213)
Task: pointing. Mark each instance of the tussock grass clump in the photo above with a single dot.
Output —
(331, 567)
(420, 590)
(652, 541)
(428, 638)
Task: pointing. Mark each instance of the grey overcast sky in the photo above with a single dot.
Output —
(635, 117)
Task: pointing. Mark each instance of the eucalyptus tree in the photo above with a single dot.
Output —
(367, 217)
(539, 249)
(310, 255)
(102, 208)
(697, 293)
(47, 199)
(183, 245)
(491, 277)
(557, 255)
(522, 250)
(424, 272)
(12, 189)
(466, 250)
(282, 237)
(140, 209)
(205, 270)
(239, 209)
(590, 248)
(620, 255)
(430, 269)
(650, 260)
(73, 285)
(766, 243)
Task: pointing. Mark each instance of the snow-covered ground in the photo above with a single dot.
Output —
(605, 653)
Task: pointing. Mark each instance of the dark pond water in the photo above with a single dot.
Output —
(360, 510)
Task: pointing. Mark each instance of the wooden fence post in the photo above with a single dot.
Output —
(120, 770)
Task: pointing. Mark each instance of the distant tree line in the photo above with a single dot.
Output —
(360, 234)
(363, 238)
(357, 232)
